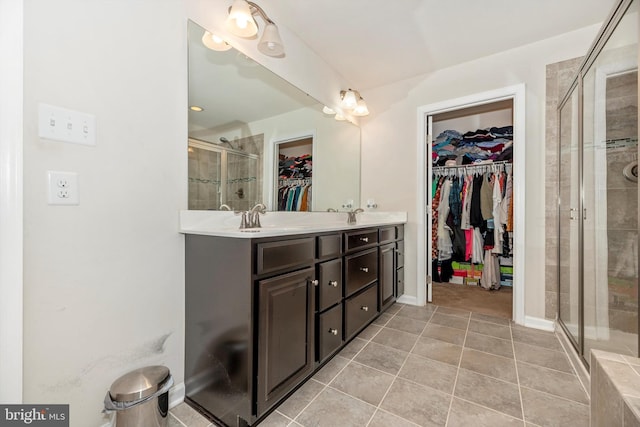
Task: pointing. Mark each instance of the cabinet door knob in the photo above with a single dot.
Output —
(365, 269)
(333, 331)
(314, 282)
(364, 239)
(333, 283)
(364, 308)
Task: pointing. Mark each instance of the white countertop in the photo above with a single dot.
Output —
(226, 224)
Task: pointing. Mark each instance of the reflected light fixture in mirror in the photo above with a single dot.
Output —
(241, 23)
(215, 42)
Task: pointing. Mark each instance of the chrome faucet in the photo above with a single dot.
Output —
(351, 216)
(224, 207)
(251, 218)
(254, 215)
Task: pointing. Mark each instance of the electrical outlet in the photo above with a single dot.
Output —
(63, 188)
(61, 124)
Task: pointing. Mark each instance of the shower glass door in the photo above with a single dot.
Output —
(569, 266)
(610, 147)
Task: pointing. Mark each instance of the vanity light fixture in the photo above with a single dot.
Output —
(242, 23)
(215, 42)
(327, 110)
(352, 100)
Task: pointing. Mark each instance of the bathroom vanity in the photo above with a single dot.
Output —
(266, 308)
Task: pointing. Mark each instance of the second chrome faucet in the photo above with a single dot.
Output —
(251, 218)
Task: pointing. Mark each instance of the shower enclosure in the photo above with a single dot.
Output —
(598, 193)
(224, 174)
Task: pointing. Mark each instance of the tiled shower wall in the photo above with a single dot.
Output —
(559, 77)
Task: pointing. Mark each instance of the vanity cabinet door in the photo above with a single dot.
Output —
(329, 283)
(400, 254)
(387, 275)
(400, 282)
(286, 335)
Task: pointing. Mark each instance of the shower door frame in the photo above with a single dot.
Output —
(612, 21)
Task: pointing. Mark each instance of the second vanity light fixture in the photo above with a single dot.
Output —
(241, 22)
(350, 101)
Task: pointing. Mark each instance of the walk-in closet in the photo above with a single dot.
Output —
(295, 175)
(471, 237)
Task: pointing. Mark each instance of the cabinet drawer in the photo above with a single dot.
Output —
(329, 246)
(387, 234)
(329, 283)
(359, 310)
(285, 254)
(360, 239)
(361, 270)
(329, 332)
(400, 254)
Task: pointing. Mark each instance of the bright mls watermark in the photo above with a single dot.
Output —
(34, 415)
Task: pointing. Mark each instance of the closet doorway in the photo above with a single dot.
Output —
(472, 247)
(294, 166)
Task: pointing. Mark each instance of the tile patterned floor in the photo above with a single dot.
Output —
(435, 366)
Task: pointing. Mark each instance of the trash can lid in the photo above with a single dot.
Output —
(139, 384)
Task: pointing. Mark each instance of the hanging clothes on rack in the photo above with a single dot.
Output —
(294, 195)
(469, 219)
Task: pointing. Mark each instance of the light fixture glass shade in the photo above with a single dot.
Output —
(327, 110)
(240, 20)
(361, 109)
(339, 117)
(271, 44)
(215, 42)
(349, 100)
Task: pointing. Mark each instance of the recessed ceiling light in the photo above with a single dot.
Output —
(196, 108)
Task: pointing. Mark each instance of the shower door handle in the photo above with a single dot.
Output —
(572, 212)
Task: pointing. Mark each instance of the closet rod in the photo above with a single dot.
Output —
(471, 168)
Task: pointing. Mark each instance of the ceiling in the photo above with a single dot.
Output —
(376, 42)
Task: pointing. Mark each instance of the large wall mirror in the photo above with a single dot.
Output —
(258, 139)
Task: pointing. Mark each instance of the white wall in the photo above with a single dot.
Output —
(104, 281)
(389, 140)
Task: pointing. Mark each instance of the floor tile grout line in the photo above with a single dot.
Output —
(515, 362)
(395, 415)
(398, 373)
(555, 396)
(455, 381)
(178, 419)
(487, 408)
(536, 365)
(573, 367)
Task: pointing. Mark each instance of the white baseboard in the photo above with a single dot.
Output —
(176, 395)
(539, 323)
(408, 299)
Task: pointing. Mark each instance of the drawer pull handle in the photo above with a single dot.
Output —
(364, 308)
(333, 331)
(364, 239)
(333, 283)
(365, 269)
(314, 282)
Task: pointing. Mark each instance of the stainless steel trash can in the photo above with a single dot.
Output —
(140, 398)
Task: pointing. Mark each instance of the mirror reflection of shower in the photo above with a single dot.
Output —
(228, 172)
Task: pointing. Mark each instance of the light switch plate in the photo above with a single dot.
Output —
(63, 188)
(61, 124)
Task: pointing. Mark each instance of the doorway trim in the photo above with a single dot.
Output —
(517, 94)
(11, 199)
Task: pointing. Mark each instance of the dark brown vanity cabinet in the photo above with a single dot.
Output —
(263, 314)
(285, 334)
